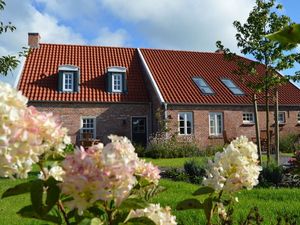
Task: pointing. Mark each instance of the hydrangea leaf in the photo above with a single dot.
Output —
(189, 204)
(17, 190)
(203, 191)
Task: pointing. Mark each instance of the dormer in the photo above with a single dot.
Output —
(116, 81)
(68, 78)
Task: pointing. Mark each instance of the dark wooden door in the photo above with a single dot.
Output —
(139, 130)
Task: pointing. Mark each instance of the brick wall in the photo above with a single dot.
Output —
(110, 118)
(232, 122)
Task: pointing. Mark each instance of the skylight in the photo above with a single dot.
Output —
(232, 87)
(203, 86)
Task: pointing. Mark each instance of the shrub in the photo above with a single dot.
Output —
(140, 150)
(212, 150)
(271, 175)
(175, 174)
(288, 143)
(195, 171)
(159, 147)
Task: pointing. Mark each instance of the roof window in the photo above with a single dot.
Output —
(202, 85)
(232, 87)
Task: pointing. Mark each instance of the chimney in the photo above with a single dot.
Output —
(34, 40)
(220, 51)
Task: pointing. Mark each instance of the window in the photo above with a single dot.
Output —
(88, 125)
(68, 81)
(298, 119)
(215, 123)
(202, 85)
(185, 123)
(232, 87)
(248, 117)
(281, 117)
(117, 82)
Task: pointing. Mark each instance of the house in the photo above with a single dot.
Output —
(110, 90)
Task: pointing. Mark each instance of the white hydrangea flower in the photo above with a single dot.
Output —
(234, 168)
(159, 215)
(25, 134)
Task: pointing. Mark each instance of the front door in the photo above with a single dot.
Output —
(139, 130)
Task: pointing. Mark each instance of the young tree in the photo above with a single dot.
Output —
(251, 38)
(8, 63)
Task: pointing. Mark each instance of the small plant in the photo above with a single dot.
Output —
(288, 143)
(162, 147)
(195, 171)
(271, 175)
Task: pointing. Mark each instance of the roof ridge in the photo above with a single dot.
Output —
(86, 45)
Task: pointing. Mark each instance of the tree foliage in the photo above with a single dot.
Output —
(264, 19)
(10, 62)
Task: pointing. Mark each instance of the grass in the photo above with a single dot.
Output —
(175, 162)
(271, 202)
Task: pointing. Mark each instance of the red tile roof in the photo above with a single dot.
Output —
(173, 72)
(39, 80)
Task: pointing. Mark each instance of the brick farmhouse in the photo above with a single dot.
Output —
(112, 90)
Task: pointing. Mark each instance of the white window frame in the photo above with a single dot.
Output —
(284, 119)
(246, 118)
(298, 117)
(94, 125)
(214, 116)
(114, 76)
(185, 119)
(65, 74)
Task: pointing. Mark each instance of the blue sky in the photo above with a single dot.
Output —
(168, 24)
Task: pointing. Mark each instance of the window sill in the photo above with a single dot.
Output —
(248, 124)
(298, 124)
(215, 137)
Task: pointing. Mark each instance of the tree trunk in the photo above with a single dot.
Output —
(257, 128)
(277, 158)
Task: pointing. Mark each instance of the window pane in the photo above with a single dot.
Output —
(185, 122)
(202, 85)
(232, 87)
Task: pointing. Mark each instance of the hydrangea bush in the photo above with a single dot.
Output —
(235, 168)
(99, 185)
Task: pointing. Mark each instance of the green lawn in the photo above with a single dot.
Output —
(176, 162)
(179, 162)
(270, 202)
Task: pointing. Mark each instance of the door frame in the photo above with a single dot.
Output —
(146, 117)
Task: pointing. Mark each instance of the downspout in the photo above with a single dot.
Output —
(166, 119)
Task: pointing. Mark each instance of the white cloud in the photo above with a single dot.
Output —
(183, 24)
(111, 38)
(27, 19)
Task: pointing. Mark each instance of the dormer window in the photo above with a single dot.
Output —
(116, 79)
(68, 78)
(202, 85)
(68, 81)
(117, 82)
(232, 87)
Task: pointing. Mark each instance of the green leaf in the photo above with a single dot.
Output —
(134, 203)
(286, 36)
(203, 191)
(140, 221)
(29, 212)
(189, 204)
(53, 193)
(36, 195)
(17, 190)
(85, 221)
(207, 205)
